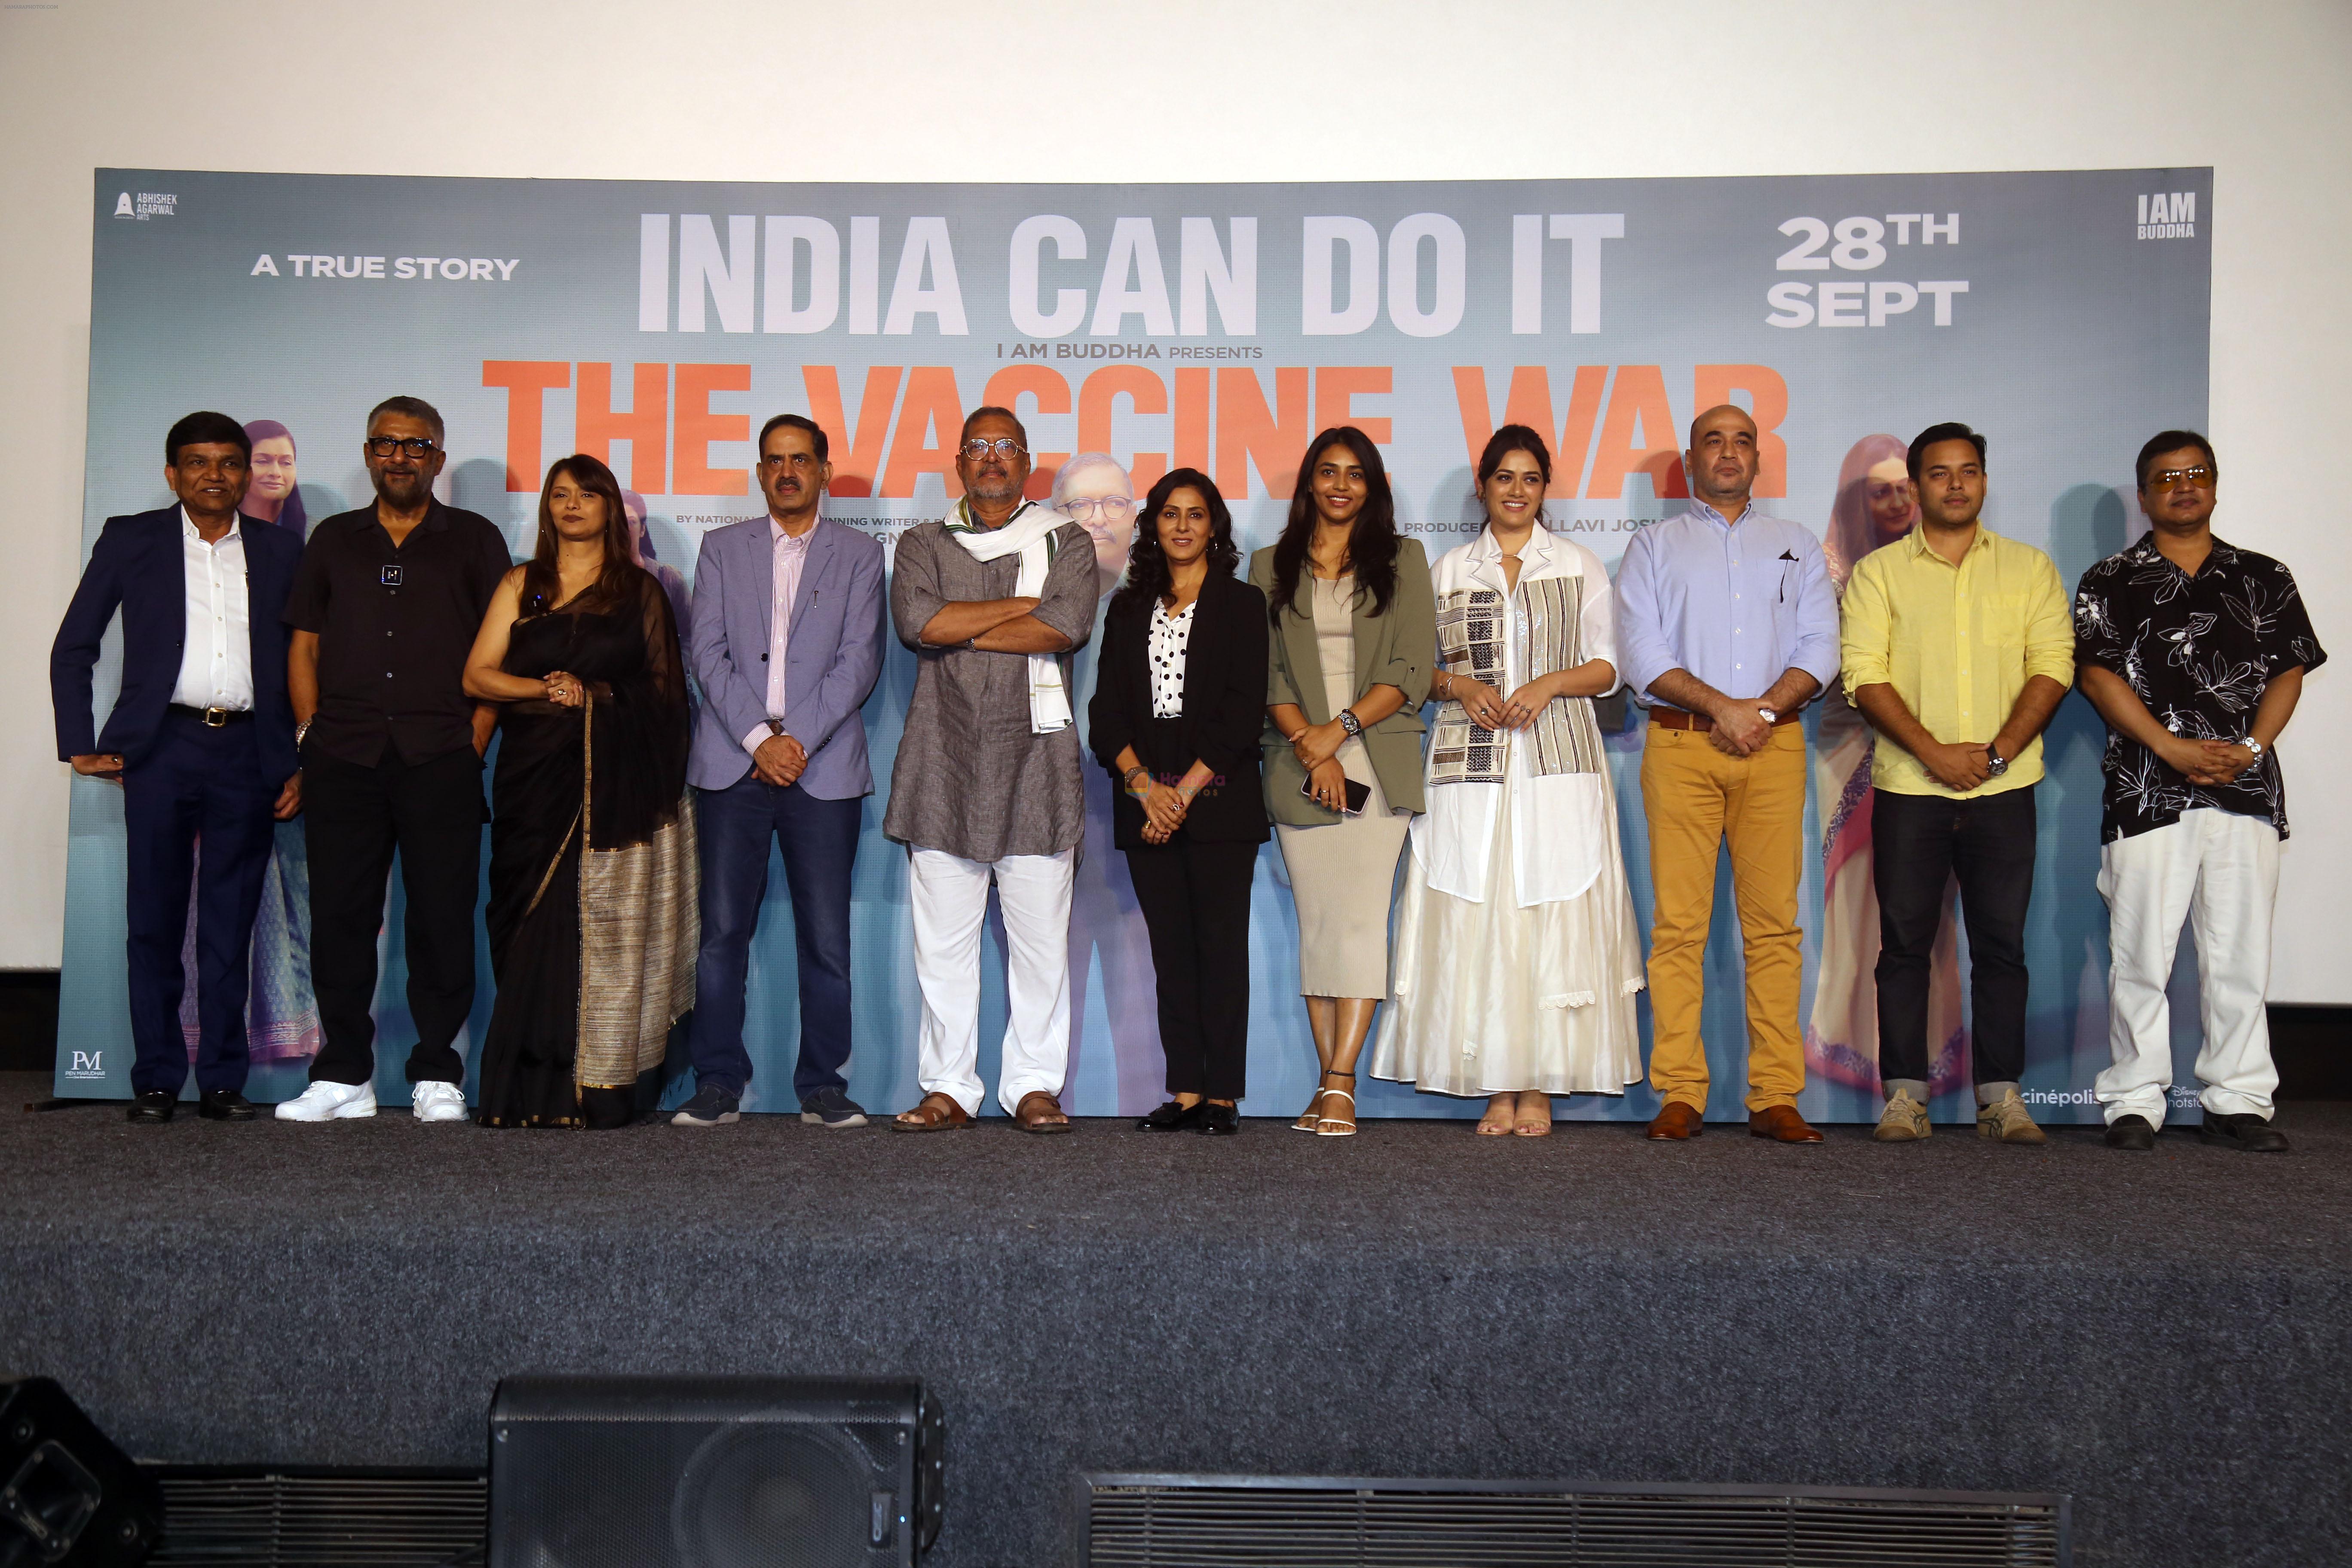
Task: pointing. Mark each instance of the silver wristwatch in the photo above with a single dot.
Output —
(1768, 715)
(1349, 722)
(1995, 764)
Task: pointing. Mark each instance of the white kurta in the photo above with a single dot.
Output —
(1518, 958)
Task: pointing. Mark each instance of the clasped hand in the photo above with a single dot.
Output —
(564, 688)
(1961, 767)
(1164, 808)
(1740, 728)
(2208, 762)
(780, 760)
(1490, 709)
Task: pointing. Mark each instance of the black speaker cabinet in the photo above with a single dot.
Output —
(66, 1495)
(712, 1472)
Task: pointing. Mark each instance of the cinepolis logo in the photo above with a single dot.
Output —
(2168, 215)
(86, 1065)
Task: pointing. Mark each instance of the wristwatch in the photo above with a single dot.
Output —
(304, 728)
(1768, 715)
(1995, 764)
(2254, 746)
(1349, 722)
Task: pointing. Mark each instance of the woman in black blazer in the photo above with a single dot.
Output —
(1180, 698)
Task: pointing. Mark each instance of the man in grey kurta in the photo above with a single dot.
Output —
(992, 598)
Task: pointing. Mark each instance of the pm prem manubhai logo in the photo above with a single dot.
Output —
(86, 1065)
(2168, 215)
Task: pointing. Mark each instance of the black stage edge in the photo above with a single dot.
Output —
(2166, 1337)
(28, 1020)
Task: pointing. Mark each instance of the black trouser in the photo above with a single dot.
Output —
(354, 817)
(1195, 899)
(198, 783)
(1918, 843)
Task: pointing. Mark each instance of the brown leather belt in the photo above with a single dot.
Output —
(1675, 719)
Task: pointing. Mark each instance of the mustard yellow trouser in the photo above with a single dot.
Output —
(1697, 797)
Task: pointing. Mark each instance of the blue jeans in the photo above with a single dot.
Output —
(819, 839)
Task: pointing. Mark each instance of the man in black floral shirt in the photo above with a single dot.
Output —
(2194, 653)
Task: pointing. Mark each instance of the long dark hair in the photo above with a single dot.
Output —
(1372, 546)
(542, 589)
(1147, 564)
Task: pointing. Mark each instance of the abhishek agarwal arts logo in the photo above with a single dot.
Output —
(85, 1066)
(2168, 215)
(146, 204)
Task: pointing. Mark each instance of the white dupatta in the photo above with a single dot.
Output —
(1030, 532)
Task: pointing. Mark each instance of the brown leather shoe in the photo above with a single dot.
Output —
(1781, 1124)
(934, 1112)
(1678, 1122)
(1040, 1112)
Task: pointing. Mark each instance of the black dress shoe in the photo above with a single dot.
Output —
(224, 1105)
(2247, 1133)
(2131, 1132)
(1173, 1118)
(1219, 1120)
(153, 1108)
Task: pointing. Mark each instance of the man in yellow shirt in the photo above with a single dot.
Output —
(1958, 646)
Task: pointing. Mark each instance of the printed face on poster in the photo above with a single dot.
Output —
(656, 324)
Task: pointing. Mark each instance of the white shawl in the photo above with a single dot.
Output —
(1029, 530)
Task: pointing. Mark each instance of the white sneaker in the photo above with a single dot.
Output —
(435, 1101)
(324, 1101)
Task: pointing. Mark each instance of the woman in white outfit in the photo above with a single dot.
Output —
(1517, 957)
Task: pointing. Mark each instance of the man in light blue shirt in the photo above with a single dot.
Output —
(1726, 626)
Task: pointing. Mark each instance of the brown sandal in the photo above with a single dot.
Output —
(1045, 1117)
(934, 1112)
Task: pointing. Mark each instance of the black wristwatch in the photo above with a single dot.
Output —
(1995, 764)
(1349, 722)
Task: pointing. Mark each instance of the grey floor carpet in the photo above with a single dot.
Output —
(2167, 1337)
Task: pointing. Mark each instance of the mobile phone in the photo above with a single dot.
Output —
(1357, 794)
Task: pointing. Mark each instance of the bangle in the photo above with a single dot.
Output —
(1127, 778)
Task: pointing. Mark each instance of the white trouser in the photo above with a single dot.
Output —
(950, 901)
(2220, 870)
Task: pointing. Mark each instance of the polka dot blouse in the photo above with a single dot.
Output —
(1171, 634)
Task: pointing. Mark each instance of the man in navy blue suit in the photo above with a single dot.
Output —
(201, 740)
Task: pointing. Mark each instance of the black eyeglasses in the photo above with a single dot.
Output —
(390, 445)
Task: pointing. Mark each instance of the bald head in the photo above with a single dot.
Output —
(1723, 459)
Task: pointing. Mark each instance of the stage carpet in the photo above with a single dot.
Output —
(2167, 1337)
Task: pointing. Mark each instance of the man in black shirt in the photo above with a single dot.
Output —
(385, 611)
(2194, 652)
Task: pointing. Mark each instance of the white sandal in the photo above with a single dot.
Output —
(1331, 1126)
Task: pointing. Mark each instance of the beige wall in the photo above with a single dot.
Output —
(1359, 90)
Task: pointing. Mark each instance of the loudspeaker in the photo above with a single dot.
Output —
(66, 1495)
(713, 1472)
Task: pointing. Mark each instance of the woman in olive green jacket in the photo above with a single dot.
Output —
(1354, 645)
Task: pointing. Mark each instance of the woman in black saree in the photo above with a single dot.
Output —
(593, 882)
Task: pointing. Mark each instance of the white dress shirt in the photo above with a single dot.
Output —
(216, 658)
(790, 556)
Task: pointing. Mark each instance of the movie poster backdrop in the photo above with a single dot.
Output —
(656, 324)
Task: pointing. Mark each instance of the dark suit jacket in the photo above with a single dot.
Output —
(138, 568)
(1225, 708)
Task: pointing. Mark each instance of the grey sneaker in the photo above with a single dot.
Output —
(1904, 1121)
(711, 1107)
(831, 1108)
(2006, 1120)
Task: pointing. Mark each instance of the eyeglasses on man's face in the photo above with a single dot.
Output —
(1110, 507)
(416, 447)
(2201, 477)
(980, 446)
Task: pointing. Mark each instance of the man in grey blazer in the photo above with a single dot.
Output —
(786, 640)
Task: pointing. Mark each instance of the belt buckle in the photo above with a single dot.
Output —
(214, 718)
